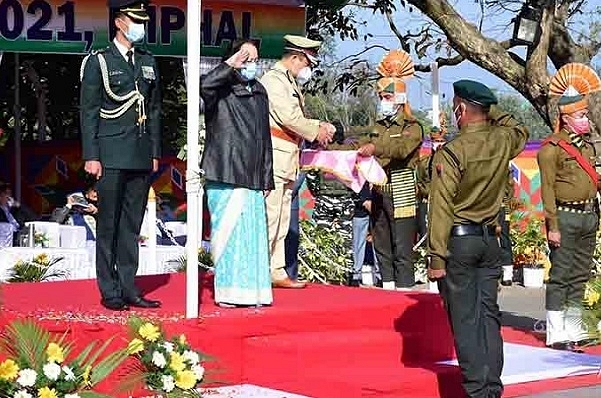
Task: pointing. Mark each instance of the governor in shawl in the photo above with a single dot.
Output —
(237, 161)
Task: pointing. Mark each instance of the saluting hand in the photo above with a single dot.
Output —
(237, 60)
(554, 238)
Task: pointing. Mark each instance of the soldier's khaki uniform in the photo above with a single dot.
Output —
(289, 127)
(467, 188)
(397, 141)
(569, 201)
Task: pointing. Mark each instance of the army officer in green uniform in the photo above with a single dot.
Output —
(467, 188)
(121, 136)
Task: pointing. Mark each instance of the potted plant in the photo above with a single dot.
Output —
(529, 247)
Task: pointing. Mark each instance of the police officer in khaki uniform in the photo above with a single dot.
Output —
(120, 109)
(289, 127)
(569, 192)
(468, 185)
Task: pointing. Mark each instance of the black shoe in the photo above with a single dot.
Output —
(567, 346)
(141, 302)
(354, 283)
(115, 305)
(506, 283)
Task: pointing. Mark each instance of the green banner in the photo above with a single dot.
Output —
(69, 27)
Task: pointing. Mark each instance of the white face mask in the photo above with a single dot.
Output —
(455, 119)
(304, 75)
(387, 108)
(135, 32)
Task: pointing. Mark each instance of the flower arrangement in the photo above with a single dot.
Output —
(37, 366)
(39, 269)
(40, 239)
(528, 240)
(168, 367)
(421, 264)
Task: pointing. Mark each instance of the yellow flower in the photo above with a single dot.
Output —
(9, 370)
(86, 374)
(149, 332)
(177, 362)
(135, 346)
(186, 380)
(41, 258)
(591, 297)
(46, 392)
(182, 339)
(55, 353)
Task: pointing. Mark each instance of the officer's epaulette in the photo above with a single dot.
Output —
(100, 51)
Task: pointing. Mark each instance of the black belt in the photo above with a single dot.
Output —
(472, 230)
(588, 206)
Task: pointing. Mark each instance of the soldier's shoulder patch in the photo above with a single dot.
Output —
(439, 168)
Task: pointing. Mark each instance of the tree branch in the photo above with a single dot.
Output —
(470, 43)
(404, 44)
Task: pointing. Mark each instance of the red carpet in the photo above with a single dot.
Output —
(323, 341)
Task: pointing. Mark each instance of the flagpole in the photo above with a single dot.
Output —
(193, 183)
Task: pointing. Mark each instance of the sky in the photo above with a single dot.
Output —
(497, 26)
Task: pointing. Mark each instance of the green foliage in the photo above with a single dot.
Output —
(323, 255)
(591, 308)
(39, 269)
(421, 265)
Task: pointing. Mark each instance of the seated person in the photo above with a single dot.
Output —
(80, 210)
(164, 212)
(9, 211)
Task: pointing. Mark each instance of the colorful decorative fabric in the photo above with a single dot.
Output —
(348, 167)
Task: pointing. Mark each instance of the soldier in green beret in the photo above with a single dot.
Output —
(120, 108)
(467, 188)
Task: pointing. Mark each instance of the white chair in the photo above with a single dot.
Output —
(6, 235)
(178, 228)
(72, 236)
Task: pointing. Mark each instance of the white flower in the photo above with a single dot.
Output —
(168, 383)
(158, 359)
(191, 357)
(22, 394)
(198, 371)
(27, 377)
(168, 347)
(69, 376)
(52, 371)
(72, 396)
(599, 326)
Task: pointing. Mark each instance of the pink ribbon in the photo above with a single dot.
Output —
(348, 167)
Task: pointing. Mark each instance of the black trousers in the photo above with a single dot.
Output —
(393, 242)
(122, 198)
(422, 217)
(505, 239)
(469, 291)
(572, 260)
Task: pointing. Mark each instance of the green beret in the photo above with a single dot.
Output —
(474, 92)
(567, 100)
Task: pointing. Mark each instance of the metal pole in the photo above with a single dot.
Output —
(435, 95)
(17, 116)
(193, 184)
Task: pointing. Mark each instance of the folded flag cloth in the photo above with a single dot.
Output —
(348, 167)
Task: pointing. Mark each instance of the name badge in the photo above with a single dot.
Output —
(148, 72)
(115, 72)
